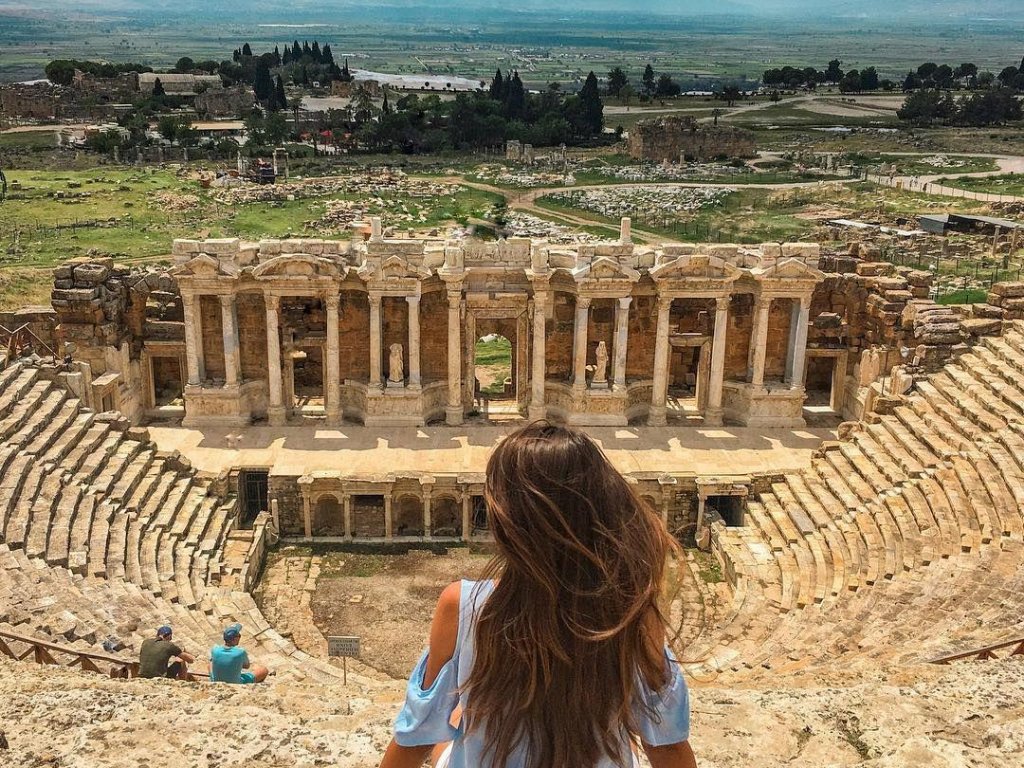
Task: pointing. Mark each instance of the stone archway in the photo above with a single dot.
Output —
(445, 517)
(408, 516)
(328, 518)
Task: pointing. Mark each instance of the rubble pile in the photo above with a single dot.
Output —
(520, 224)
(638, 202)
(372, 183)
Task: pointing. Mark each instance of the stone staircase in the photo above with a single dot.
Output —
(102, 536)
(902, 541)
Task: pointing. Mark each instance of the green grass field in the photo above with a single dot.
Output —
(1008, 184)
(51, 216)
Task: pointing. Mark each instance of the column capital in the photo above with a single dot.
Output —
(625, 301)
(722, 303)
(272, 301)
(332, 300)
(583, 302)
(454, 294)
(227, 300)
(664, 303)
(374, 298)
(805, 302)
(414, 299)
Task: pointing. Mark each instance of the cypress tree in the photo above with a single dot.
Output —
(280, 99)
(328, 55)
(246, 50)
(158, 88)
(277, 57)
(306, 50)
(315, 52)
(593, 107)
(296, 51)
(498, 87)
(262, 85)
(286, 58)
(385, 108)
(515, 97)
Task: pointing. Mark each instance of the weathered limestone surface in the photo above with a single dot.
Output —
(675, 139)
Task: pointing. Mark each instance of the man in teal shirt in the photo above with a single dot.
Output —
(229, 663)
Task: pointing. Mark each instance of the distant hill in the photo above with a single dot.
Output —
(462, 10)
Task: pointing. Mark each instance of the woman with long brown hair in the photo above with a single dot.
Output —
(558, 658)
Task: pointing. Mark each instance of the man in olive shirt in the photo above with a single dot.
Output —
(156, 654)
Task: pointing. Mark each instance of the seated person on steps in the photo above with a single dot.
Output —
(156, 654)
(229, 663)
(559, 656)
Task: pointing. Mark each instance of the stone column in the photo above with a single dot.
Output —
(414, 341)
(797, 352)
(426, 511)
(621, 340)
(659, 396)
(307, 512)
(375, 334)
(538, 409)
(579, 375)
(193, 339)
(467, 525)
(454, 412)
(713, 415)
(388, 524)
(275, 411)
(759, 340)
(332, 385)
(347, 506)
(229, 327)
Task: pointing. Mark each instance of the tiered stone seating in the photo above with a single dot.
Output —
(900, 541)
(103, 536)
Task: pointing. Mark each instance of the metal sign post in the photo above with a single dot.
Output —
(343, 646)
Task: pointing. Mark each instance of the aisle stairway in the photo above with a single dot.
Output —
(101, 536)
(904, 541)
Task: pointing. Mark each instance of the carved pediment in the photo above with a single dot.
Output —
(700, 267)
(202, 265)
(789, 269)
(605, 268)
(299, 265)
(392, 268)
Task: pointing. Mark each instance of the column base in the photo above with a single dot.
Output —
(277, 416)
(537, 412)
(453, 415)
(714, 417)
(657, 416)
(334, 418)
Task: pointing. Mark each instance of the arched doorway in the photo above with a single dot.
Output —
(368, 516)
(445, 517)
(408, 516)
(328, 519)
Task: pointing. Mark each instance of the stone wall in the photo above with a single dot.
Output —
(252, 334)
(434, 336)
(354, 341)
(560, 332)
(674, 139)
(1008, 297)
(643, 321)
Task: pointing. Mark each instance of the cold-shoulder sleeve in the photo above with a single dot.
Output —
(663, 716)
(427, 714)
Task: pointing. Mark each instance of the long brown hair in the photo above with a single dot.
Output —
(574, 617)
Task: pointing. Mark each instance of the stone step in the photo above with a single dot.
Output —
(977, 498)
(965, 402)
(994, 377)
(879, 456)
(15, 383)
(16, 426)
(958, 431)
(927, 500)
(838, 459)
(920, 453)
(973, 384)
(866, 468)
(925, 433)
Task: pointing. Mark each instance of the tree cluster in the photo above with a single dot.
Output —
(810, 78)
(652, 85)
(62, 71)
(506, 110)
(994, 106)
